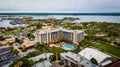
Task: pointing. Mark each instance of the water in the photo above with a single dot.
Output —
(83, 18)
(5, 23)
(67, 46)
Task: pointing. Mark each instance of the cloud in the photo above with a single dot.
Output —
(60, 5)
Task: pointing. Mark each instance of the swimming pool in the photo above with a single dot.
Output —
(68, 47)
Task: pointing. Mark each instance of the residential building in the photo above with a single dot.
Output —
(102, 58)
(58, 34)
(44, 55)
(45, 63)
(75, 60)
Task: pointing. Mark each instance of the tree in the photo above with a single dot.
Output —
(52, 57)
(30, 36)
(42, 59)
(38, 25)
(31, 62)
(39, 45)
(31, 54)
(56, 51)
(25, 62)
(1, 38)
(94, 61)
(16, 51)
(18, 41)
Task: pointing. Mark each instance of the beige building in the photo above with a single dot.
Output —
(8, 40)
(58, 34)
(27, 45)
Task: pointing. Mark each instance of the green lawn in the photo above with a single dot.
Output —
(107, 48)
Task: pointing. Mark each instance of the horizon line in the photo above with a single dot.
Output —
(59, 13)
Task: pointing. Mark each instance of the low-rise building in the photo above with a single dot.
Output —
(101, 58)
(45, 63)
(10, 40)
(75, 60)
(3, 42)
(38, 57)
(27, 45)
(7, 41)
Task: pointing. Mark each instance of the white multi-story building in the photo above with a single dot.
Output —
(57, 34)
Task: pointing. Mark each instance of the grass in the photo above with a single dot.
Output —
(107, 48)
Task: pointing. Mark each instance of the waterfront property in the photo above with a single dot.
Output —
(75, 60)
(102, 58)
(59, 34)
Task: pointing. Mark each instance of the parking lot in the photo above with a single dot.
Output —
(6, 56)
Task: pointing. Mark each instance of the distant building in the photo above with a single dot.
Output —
(58, 34)
(75, 60)
(102, 58)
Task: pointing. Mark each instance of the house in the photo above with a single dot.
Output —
(102, 58)
(44, 55)
(45, 63)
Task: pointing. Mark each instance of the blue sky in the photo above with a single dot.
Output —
(60, 6)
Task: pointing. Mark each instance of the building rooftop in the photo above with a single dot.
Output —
(6, 56)
(75, 58)
(44, 55)
(90, 53)
(45, 63)
(59, 29)
(28, 44)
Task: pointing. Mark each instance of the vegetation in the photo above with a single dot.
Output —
(30, 36)
(16, 51)
(107, 48)
(38, 25)
(94, 61)
(32, 54)
(42, 59)
(22, 62)
(2, 38)
(56, 51)
(18, 41)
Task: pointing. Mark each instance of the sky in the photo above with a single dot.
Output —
(80, 6)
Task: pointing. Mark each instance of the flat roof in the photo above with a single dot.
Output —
(44, 55)
(59, 29)
(45, 63)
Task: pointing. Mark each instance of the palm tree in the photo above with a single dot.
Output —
(56, 51)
